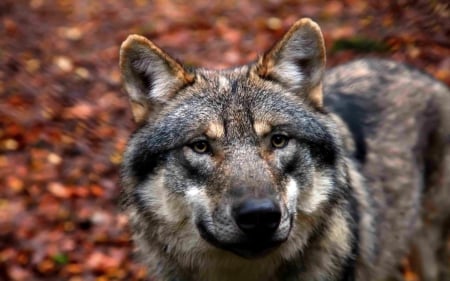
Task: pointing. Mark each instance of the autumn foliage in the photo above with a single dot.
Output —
(64, 119)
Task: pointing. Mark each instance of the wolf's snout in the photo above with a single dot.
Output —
(257, 217)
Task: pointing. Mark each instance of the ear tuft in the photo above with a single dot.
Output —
(150, 76)
(297, 61)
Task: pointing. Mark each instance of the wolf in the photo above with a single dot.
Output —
(279, 170)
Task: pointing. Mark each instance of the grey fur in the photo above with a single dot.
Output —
(350, 186)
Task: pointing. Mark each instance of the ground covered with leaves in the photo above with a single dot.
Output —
(64, 119)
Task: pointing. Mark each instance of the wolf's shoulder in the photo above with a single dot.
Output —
(367, 92)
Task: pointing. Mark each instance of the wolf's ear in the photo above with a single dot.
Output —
(297, 61)
(150, 76)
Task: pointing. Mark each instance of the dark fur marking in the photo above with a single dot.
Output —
(325, 151)
(144, 163)
(144, 159)
(353, 113)
(429, 143)
(348, 272)
(234, 87)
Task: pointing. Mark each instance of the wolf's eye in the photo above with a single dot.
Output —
(200, 147)
(279, 141)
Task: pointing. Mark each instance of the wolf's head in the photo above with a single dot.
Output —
(241, 160)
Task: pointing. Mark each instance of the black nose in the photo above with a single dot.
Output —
(257, 217)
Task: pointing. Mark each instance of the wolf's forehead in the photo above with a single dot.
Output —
(236, 98)
(240, 73)
(237, 94)
(216, 129)
(233, 107)
(230, 81)
(231, 89)
(235, 104)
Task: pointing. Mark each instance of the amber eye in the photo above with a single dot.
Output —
(200, 147)
(279, 141)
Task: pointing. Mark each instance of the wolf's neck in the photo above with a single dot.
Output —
(240, 269)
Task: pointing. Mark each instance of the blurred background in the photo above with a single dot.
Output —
(64, 118)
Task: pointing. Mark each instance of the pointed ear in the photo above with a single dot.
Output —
(150, 76)
(297, 61)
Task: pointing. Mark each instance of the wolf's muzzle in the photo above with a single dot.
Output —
(258, 221)
(257, 218)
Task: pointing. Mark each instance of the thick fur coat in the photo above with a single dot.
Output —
(277, 170)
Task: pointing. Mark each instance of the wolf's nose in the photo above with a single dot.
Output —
(257, 217)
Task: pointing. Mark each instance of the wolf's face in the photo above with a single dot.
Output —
(239, 159)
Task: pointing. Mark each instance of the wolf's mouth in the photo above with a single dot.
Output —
(246, 248)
